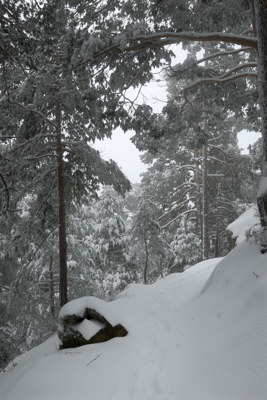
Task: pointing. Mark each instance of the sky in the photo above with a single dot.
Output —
(122, 150)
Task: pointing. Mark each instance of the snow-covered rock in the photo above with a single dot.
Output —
(86, 320)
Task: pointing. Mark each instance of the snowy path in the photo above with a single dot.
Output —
(191, 337)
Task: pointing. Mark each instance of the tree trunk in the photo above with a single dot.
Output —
(146, 259)
(205, 203)
(261, 26)
(198, 193)
(217, 236)
(51, 283)
(63, 282)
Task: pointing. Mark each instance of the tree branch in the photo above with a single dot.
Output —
(36, 112)
(167, 38)
(178, 216)
(222, 53)
(202, 82)
(7, 192)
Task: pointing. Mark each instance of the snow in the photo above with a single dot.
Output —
(78, 306)
(199, 335)
(243, 224)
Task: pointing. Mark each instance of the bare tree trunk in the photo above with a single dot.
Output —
(217, 235)
(205, 210)
(146, 259)
(261, 26)
(63, 282)
(198, 191)
(51, 283)
(205, 199)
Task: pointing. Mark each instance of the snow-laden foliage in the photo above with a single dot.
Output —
(186, 246)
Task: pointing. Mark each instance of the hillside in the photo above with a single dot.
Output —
(200, 335)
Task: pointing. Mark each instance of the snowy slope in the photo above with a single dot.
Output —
(244, 223)
(200, 335)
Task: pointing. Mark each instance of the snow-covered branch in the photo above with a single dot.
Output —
(33, 110)
(220, 79)
(177, 37)
(162, 39)
(191, 184)
(179, 205)
(178, 216)
(222, 53)
(238, 68)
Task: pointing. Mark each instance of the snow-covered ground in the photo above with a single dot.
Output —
(199, 335)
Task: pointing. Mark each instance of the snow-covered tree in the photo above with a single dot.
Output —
(110, 235)
(186, 246)
(148, 246)
(55, 107)
(260, 23)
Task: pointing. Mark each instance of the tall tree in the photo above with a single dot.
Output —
(56, 106)
(195, 162)
(149, 248)
(261, 23)
(231, 29)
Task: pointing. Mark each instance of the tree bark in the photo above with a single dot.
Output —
(146, 259)
(261, 26)
(198, 192)
(205, 210)
(51, 283)
(63, 281)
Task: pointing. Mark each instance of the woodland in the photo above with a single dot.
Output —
(71, 224)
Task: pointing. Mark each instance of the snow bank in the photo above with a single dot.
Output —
(199, 335)
(242, 224)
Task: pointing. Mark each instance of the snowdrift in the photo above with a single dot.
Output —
(199, 335)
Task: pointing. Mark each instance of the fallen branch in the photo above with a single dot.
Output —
(90, 362)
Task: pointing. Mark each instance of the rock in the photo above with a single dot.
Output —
(87, 327)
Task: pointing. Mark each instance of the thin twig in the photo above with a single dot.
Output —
(93, 360)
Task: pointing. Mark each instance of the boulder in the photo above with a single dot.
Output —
(86, 325)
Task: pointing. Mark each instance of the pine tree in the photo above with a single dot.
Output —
(260, 22)
(149, 248)
(186, 246)
(56, 107)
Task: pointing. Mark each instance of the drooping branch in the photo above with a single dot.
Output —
(169, 196)
(177, 207)
(193, 210)
(230, 162)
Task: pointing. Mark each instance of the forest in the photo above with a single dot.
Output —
(71, 223)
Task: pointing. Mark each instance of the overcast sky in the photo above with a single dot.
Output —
(121, 149)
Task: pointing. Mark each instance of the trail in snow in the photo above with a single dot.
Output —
(200, 335)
